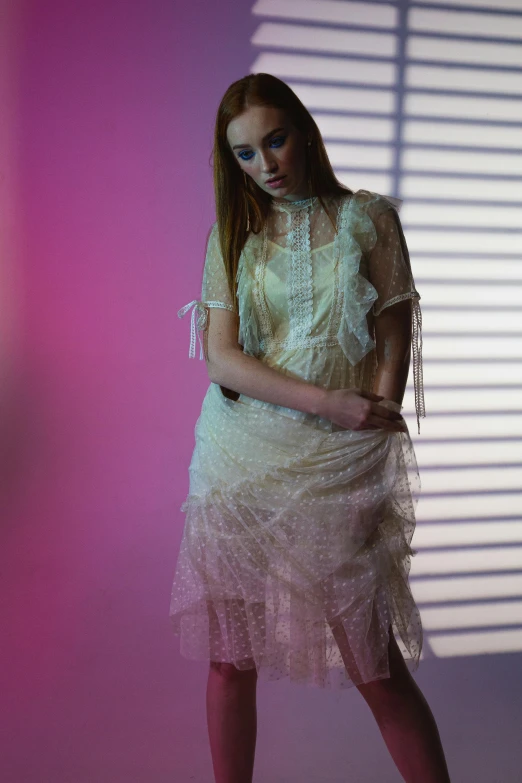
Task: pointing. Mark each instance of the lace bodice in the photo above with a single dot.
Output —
(301, 285)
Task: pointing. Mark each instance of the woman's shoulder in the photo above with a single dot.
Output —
(362, 201)
(371, 200)
(360, 218)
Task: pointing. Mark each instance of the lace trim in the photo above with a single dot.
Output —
(199, 321)
(300, 282)
(330, 339)
(295, 206)
(338, 295)
(259, 287)
(268, 345)
(300, 287)
(395, 299)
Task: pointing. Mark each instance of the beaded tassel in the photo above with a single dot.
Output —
(417, 361)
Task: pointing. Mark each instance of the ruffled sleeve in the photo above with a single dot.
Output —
(356, 292)
(389, 271)
(215, 292)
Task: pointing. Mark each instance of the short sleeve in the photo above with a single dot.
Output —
(389, 268)
(389, 271)
(215, 292)
(215, 289)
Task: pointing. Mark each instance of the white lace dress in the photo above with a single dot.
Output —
(296, 551)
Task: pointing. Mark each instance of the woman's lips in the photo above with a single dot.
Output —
(276, 183)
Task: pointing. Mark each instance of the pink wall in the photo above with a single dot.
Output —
(106, 203)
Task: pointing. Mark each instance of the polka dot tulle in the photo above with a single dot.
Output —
(296, 547)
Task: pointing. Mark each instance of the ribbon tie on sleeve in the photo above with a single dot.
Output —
(199, 325)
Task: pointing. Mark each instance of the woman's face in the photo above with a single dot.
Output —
(268, 147)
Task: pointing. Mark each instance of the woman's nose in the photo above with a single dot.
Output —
(268, 162)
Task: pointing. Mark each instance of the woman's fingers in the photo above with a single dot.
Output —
(380, 423)
(379, 410)
(386, 413)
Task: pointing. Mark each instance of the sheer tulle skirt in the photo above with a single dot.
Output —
(296, 550)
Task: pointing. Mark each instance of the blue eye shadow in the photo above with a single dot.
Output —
(280, 139)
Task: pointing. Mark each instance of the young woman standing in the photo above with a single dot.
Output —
(296, 552)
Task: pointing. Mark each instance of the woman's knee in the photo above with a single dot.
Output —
(399, 683)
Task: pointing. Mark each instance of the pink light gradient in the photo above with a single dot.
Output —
(107, 109)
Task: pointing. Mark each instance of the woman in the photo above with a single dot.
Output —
(296, 551)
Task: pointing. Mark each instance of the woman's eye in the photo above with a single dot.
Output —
(277, 142)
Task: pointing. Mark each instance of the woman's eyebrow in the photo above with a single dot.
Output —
(267, 136)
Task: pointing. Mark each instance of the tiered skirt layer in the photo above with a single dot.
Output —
(296, 548)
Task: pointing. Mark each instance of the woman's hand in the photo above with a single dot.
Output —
(356, 409)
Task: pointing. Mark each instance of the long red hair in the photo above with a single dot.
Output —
(240, 201)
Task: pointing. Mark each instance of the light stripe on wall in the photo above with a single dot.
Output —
(426, 104)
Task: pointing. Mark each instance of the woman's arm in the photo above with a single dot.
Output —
(229, 367)
(393, 347)
(389, 271)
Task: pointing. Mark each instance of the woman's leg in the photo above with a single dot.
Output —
(406, 722)
(232, 721)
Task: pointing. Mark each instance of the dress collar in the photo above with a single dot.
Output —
(294, 206)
